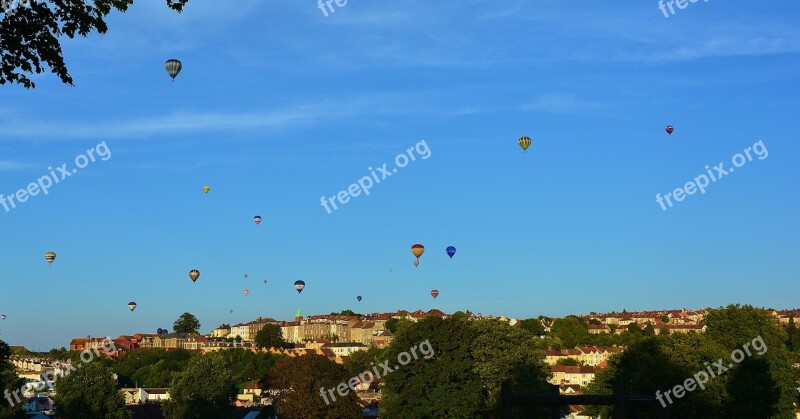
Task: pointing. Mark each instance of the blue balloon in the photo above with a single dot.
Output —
(451, 251)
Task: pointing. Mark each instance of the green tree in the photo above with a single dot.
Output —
(533, 326)
(304, 381)
(635, 328)
(151, 367)
(29, 37)
(665, 319)
(346, 313)
(571, 331)
(360, 361)
(659, 364)
(762, 385)
(205, 390)
(791, 331)
(90, 392)
(649, 330)
(459, 315)
(461, 379)
(568, 362)
(10, 381)
(393, 325)
(186, 323)
(247, 365)
(737, 325)
(270, 337)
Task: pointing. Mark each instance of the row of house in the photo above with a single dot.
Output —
(586, 355)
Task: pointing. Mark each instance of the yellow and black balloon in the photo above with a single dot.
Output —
(524, 142)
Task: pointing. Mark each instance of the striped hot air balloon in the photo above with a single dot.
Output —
(257, 219)
(524, 142)
(669, 129)
(50, 257)
(434, 293)
(132, 306)
(173, 67)
(299, 286)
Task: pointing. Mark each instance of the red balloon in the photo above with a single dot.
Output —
(669, 129)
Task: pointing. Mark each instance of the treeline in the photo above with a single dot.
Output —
(455, 368)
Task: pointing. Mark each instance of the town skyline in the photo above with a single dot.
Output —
(207, 329)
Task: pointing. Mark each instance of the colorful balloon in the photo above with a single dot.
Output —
(257, 219)
(50, 257)
(206, 188)
(416, 263)
(245, 276)
(194, 274)
(299, 286)
(451, 251)
(3, 317)
(245, 292)
(669, 129)
(524, 142)
(173, 67)
(358, 298)
(417, 250)
(132, 306)
(434, 293)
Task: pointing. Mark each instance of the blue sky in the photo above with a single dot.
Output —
(278, 105)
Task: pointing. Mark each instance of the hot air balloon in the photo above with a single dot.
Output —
(417, 250)
(50, 257)
(434, 293)
(173, 67)
(245, 292)
(206, 188)
(257, 219)
(358, 298)
(231, 311)
(524, 142)
(245, 276)
(3, 317)
(416, 263)
(451, 251)
(299, 285)
(669, 129)
(194, 274)
(132, 306)
(265, 282)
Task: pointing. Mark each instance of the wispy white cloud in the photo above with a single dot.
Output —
(230, 121)
(15, 165)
